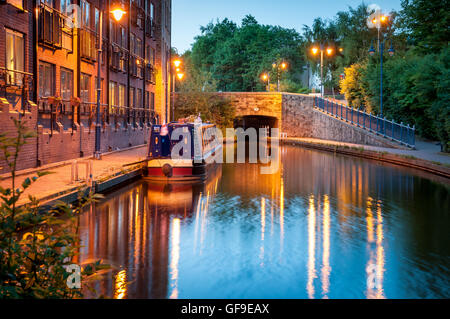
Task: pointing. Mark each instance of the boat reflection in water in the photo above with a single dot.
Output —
(137, 231)
(322, 226)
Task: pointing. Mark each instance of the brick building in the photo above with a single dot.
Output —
(49, 67)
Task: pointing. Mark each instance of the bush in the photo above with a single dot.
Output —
(35, 246)
(212, 108)
(416, 91)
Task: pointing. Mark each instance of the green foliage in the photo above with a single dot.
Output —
(426, 23)
(416, 91)
(227, 57)
(211, 107)
(35, 245)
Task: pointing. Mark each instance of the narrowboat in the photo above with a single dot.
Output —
(192, 166)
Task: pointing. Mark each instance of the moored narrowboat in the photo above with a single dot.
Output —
(193, 163)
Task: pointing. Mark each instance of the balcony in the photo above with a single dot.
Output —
(89, 45)
(16, 87)
(50, 24)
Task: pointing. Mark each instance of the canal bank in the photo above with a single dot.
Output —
(113, 170)
(426, 158)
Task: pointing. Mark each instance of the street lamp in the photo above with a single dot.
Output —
(279, 67)
(176, 73)
(378, 23)
(266, 79)
(315, 50)
(117, 13)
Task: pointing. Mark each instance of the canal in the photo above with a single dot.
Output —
(323, 226)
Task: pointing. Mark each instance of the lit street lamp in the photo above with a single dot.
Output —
(330, 52)
(378, 23)
(176, 73)
(266, 79)
(279, 67)
(117, 13)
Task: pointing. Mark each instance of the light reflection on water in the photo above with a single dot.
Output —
(324, 226)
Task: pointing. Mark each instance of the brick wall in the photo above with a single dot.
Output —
(63, 145)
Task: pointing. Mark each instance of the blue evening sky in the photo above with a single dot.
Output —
(189, 15)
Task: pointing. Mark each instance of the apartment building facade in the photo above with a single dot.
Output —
(50, 70)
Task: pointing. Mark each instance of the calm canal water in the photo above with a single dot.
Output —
(324, 226)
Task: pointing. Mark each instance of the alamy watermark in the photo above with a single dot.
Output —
(256, 141)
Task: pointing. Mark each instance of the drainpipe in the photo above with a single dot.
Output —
(144, 73)
(108, 32)
(129, 63)
(78, 73)
(35, 78)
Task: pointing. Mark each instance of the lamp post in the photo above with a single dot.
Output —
(378, 23)
(177, 68)
(266, 79)
(279, 67)
(315, 51)
(117, 14)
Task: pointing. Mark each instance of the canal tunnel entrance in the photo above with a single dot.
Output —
(256, 122)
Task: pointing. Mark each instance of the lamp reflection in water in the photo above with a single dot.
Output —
(120, 285)
(311, 248)
(174, 258)
(263, 228)
(375, 266)
(326, 269)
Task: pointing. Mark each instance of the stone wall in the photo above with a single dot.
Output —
(255, 103)
(301, 119)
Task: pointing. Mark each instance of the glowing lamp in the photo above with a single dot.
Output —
(118, 14)
(177, 63)
(180, 76)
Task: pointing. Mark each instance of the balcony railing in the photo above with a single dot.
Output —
(403, 134)
(50, 23)
(88, 44)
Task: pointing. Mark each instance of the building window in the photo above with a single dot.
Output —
(66, 87)
(112, 94)
(85, 14)
(121, 95)
(85, 87)
(112, 31)
(64, 4)
(139, 99)
(152, 11)
(132, 43)
(46, 79)
(132, 97)
(97, 20)
(138, 47)
(15, 60)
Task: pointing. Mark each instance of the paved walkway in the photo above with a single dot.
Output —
(60, 180)
(424, 150)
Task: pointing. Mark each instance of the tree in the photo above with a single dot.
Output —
(232, 58)
(426, 23)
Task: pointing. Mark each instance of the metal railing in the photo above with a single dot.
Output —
(403, 134)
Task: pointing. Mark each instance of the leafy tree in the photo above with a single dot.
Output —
(211, 107)
(227, 57)
(426, 23)
(36, 245)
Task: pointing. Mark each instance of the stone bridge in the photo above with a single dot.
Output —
(295, 115)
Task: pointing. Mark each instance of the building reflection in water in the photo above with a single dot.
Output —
(138, 232)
